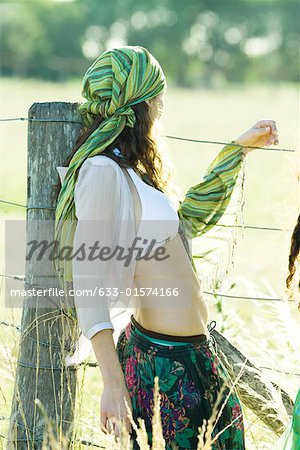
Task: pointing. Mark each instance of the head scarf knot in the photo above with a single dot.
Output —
(119, 78)
(128, 114)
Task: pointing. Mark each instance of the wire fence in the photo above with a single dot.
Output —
(251, 227)
(29, 119)
(215, 294)
(95, 364)
(51, 208)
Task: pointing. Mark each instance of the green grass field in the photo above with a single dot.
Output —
(264, 331)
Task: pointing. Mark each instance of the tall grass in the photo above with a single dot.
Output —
(266, 332)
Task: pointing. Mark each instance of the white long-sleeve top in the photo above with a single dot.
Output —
(105, 212)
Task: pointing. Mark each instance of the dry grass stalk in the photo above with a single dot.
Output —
(158, 441)
(208, 426)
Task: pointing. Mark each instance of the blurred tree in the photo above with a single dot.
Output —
(198, 42)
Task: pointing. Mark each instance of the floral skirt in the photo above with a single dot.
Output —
(190, 376)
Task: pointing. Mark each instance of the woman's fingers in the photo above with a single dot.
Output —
(103, 423)
(266, 123)
(268, 126)
(265, 127)
(112, 425)
(273, 126)
(106, 425)
(274, 138)
(263, 133)
(117, 428)
(109, 426)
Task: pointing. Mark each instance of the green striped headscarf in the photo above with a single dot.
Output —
(119, 78)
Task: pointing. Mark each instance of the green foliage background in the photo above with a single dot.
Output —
(229, 63)
(198, 42)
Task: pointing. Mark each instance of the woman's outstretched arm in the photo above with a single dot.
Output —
(205, 203)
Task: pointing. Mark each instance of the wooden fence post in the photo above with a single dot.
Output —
(47, 333)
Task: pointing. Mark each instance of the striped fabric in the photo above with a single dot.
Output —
(119, 78)
(205, 203)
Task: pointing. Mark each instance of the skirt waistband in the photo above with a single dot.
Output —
(197, 338)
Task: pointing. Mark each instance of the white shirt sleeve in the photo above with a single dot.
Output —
(102, 209)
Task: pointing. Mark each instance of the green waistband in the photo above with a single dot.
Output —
(160, 341)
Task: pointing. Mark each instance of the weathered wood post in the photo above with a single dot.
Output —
(47, 333)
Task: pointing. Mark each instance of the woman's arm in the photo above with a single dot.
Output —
(205, 203)
(98, 197)
(115, 392)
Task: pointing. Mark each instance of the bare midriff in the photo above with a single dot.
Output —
(173, 302)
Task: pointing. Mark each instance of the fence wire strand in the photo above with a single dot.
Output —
(215, 294)
(51, 208)
(249, 227)
(29, 119)
(95, 364)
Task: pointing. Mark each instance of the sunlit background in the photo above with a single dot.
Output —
(228, 64)
(199, 43)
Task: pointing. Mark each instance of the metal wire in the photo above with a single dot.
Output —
(206, 292)
(220, 294)
(95, 364)
(281, 371)
(28, 119)
(10, 325)
(228, 143)
(34, 366)
(42, 207)
(250, 227)
(39, 437)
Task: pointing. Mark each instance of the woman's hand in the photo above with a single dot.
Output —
(113, 412)
(113, 408)
(262, 134)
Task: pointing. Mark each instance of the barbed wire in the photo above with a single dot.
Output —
(281, 371)
(206, 141)
(220, 294)
(29, 119)
(46, 207)
(40, 437)
(51, 208)
(249, 227)
(94, 364)
(229, 143)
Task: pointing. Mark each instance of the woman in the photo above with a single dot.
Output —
(290, 439)
(114, 178)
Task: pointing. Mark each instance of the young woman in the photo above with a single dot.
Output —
(114, 178)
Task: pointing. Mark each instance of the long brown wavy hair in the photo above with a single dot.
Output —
(139, 145)
(294, 256)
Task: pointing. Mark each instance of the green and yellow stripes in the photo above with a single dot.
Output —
(119, 78)
(205, 203)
